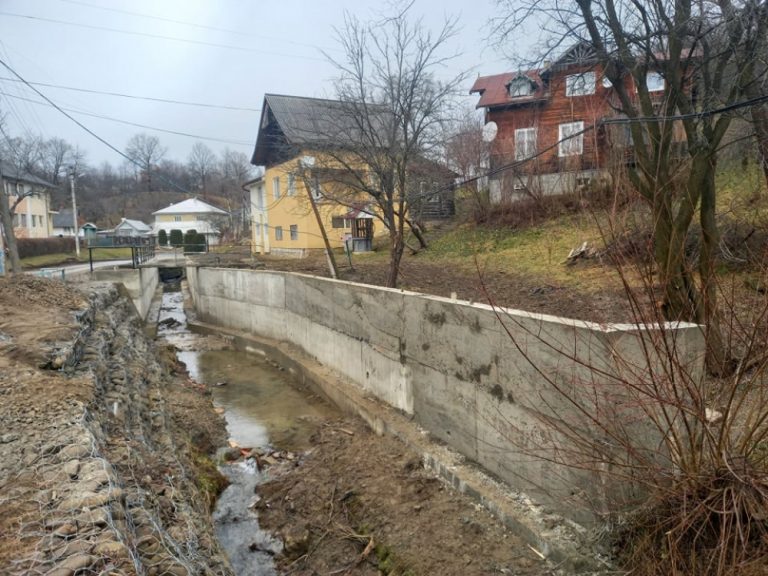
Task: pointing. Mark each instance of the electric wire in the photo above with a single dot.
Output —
(158, 36)
(200, 26)
(129, 123)
(134, 97)
(88, 130)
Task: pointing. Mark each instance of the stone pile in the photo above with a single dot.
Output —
(105, 486)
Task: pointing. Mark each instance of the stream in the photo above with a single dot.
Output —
(262, 410)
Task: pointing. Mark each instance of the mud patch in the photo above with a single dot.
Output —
(361, 504)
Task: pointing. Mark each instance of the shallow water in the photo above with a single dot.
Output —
(262, 409)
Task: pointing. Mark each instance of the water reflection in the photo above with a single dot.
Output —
(262, 409)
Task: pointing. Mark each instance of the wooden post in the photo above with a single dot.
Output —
(328, 252)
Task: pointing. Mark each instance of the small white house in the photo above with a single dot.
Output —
(191, 214)
(132, 228)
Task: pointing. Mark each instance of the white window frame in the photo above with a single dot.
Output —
(523, 87)
(570, 146)
(276, 187)
(654, 82)
(177, 218)
(525, 143)
(294, 231)
(278, 233)
(582, 84)
(291, 184)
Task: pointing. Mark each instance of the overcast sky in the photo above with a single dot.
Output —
(220, 52)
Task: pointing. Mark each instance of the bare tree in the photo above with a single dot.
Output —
(391, 112)
(146, 152)
(469, 155)
(693, 46)
(236, 170)
(202, 162)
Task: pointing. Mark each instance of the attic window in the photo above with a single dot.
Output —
(520, 86)
(580, 84)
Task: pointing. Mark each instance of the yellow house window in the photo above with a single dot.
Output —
(278, 232)
(291, 184)
(294, 232)
(276, 187)
(177, 218)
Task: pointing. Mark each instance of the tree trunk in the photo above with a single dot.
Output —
(683, 299)
(718, 357)
(7, 221)
(760, 122)
(396, 247)
(416, 229)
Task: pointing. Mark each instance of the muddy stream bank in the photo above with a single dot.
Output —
(331, 496)
(269, 423)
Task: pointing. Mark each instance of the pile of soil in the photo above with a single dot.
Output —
(359, 504)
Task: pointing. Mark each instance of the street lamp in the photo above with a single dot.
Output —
(72, 176)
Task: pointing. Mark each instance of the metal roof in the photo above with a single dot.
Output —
(190, 206)
(137, 225)
(292, 123)
(494, 91)
(11, 172)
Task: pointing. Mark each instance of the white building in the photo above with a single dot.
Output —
(191, 214)
(259, 216)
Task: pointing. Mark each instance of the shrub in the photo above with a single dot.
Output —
(194, 242)
(162, 238)
(177, 238)
(29, 247)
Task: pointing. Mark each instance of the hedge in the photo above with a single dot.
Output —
(29, 247)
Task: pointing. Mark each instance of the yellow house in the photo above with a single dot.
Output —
(32, 215)
(283, 219)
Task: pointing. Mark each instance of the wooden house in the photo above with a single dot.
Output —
(544, 120)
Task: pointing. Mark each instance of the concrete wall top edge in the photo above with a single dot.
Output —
(607, 327)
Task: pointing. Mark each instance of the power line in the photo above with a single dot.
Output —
(158, 36)
(196, 25)
(129, 123)
(132, 96)
(91, 132)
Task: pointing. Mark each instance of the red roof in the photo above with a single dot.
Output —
(493, 89)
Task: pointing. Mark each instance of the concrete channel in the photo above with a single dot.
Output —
(460, 383)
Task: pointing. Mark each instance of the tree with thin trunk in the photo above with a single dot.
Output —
(469, 156)
(699, 49)
(202, 162)
(393, 105)
(145, 152)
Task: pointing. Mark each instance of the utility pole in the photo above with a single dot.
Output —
(308, 162)
(72, 176)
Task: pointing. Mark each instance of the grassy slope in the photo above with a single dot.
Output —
(49, 260)
(539, 251)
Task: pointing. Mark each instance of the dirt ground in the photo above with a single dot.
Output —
(359, 504)
(38, 403)
(501, 288)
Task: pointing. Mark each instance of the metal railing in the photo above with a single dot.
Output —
(141, 252)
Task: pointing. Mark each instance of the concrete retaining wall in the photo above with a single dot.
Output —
(483, 381)
(139, 283)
